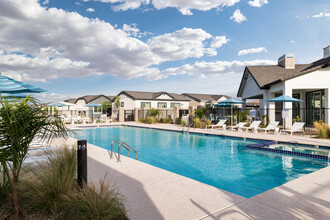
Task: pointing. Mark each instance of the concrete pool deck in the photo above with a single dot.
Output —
(154, 193)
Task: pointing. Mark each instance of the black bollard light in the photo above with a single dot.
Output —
(82, 162)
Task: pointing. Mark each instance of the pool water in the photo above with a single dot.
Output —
(223, 162)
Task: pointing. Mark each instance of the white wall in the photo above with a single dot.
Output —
(163, 96)
(251, 88)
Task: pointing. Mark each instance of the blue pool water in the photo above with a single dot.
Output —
(222, 162)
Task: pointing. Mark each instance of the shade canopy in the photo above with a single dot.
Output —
(94, 105)
(284, 98)
(57, 104)
(231, 101)
(222, 105)
(16, 95)
(9, 85)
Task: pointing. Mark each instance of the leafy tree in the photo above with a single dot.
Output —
(199, 113)
(153, 112)
(106, 105)
(117, 101)
(20, 123)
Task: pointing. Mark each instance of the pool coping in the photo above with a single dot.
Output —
(300, 198)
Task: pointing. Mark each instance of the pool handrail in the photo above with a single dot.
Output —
(124, 145)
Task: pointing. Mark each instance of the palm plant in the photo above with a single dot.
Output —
(117, 101)
(20, 123)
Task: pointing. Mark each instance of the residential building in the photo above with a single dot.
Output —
(308, 82)
(204, 99)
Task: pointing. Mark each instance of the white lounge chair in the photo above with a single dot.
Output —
(239, 126)
(296, 127)
(253, 126)
(271, 126)
(221, 123)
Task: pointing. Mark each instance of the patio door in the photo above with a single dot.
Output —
(315, 106)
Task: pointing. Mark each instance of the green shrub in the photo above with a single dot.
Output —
(95, 203)
(153, 112)
(44, 187)
(150, 120)
(165, 120)
(322, 129)
(197, 122)
(297, 119)
(208, 123)
(182, 123)
(141, 120)
(199, 113)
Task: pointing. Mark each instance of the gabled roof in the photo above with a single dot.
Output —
(73, 101)
(268, 75)
(90, 98)
(204, 97)
(135, 95)
(110, 97)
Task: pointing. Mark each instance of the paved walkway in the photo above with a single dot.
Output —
(154, 193)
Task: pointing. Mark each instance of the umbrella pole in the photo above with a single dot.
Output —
(232, 116)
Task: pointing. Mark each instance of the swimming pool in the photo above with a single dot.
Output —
(223, 162)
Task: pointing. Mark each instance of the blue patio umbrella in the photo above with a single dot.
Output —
(231, 102)
(284, 98)
(222, 105)
(9, 85)
(15, 95)
(94, 105)
(57, 104)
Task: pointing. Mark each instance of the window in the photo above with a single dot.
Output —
(122, 104)
(145, 104)
(97, 109)
(161, 105)
(175, 104)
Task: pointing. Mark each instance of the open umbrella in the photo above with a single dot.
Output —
(231, 102)
(9, 85)
(15, 95)
(93, 105)
(284, 98)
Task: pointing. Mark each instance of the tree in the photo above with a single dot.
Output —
(106, 105)
(199, 113)
(153, 112)
(21, 121)
(117, 101)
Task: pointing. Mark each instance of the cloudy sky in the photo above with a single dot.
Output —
(79, 47)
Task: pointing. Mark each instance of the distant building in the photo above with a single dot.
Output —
(204, 99)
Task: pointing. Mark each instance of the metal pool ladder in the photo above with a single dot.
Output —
(124, 145)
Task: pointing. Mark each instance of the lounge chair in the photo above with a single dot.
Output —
(271, 126)
(253, 126)
(296, 127)
(221, 123)
(239, 126)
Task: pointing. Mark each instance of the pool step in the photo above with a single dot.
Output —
(304, 151)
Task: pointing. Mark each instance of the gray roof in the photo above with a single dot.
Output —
(88, 98)
(152, 95)
(268, 75)
(204, 97)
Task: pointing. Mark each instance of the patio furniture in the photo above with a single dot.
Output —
(221, 123)
(239, 126)
(253, 126)
(296, 127)
(271, 126)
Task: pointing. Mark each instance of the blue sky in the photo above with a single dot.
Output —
(81, 47)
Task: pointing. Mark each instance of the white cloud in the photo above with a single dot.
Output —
(45, 2)
(257, 3)
(252, 50)
(184, 6)
(203, 69)
(132, 30)
(238, 17)
(53, 97)
(180, 44)
(218, 41)
(292, 42)
(90, 10)
(55, 43)
(321, 14)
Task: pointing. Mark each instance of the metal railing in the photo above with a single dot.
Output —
(124, 145)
